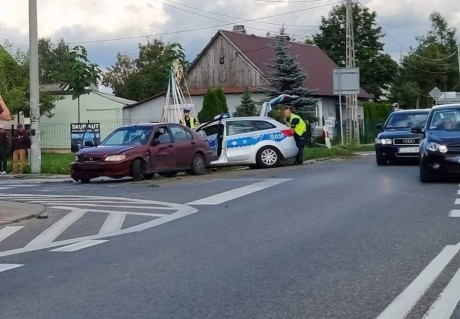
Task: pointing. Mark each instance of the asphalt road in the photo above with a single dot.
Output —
(339, 239)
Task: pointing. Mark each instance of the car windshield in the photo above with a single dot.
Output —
(448, 119)
(406, 120)
(128, 136)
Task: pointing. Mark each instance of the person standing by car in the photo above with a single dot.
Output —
(4, 146)
(188, 120)
(21, 142)
(299, 128)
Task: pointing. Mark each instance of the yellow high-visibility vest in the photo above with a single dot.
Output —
(300, 128)
(192, 122)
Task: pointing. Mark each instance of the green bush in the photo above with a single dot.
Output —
(211, 106)
(374, 113)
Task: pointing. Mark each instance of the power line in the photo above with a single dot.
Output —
(403, 46)
(193, 29)
(233, 17)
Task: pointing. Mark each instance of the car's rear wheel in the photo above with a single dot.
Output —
(168, 174)
(425, 175)
(198, 165)
(136, 170)
(380, 160)
(148, 176)
(84, 180)
(267, 157)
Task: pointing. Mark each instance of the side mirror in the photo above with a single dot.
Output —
(89, 144)
(379, 126)
(417, 130)
(156, 142)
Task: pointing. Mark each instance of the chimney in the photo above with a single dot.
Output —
(239, 28)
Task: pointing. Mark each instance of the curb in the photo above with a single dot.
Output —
(37, 214)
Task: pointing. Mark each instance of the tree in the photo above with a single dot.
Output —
(117, 75)
(288, 77)
(82, 74)
(432, 64)
(147, 75)
(211, 106)
(377, 69)
(14, 85)
(222, 99)
(55, 61)
(247, 106)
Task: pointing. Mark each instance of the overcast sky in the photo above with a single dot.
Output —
(97, 23)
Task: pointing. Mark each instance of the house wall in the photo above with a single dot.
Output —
(222, 66)
(55, 131)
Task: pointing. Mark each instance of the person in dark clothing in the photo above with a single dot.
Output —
(21, 142)
(4, 146)
(299, 128)
(188, 120)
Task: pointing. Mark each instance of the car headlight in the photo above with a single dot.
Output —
(115, 158)
(383, 141)
(433, 147)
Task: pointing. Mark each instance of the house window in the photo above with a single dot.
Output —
(222, 60)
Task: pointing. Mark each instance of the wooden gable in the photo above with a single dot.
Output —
(220, 64)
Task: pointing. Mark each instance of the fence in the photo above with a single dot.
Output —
(56, 137)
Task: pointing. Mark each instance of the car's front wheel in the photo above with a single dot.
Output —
(267, 157)
(136, 170)
(425, 175)
(380, 160)
(198, 165)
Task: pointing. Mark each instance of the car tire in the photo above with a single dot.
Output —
(198, 165)
(380, 160)
(85, 180)
(148, 176)
(168, 174)
(425, 175)
(136, 170)
(268, 157)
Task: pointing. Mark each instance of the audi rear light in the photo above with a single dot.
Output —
(287, 132)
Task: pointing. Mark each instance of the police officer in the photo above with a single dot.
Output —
(299, 128)
(188, 120)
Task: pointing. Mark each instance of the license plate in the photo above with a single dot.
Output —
(408, 150)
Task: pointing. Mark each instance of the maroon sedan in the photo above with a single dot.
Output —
(141, 151)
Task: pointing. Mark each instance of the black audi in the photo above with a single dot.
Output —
(396, 142)
(440, 146)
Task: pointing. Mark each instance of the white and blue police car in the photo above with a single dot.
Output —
(255, 141)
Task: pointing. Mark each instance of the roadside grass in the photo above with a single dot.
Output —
(59, 164)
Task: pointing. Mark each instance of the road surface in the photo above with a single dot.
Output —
(340, 239)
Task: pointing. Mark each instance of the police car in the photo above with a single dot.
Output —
(255, 141)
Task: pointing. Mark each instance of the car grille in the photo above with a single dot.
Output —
(407, 141)
(91, 158)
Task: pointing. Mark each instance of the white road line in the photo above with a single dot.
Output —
(445, 305)
(79, 246)
(8, 231)
(113, 222)
(454, 213)
(404, 303)
(114, 211)
(5, 267)
(238, 192)
(50, 234)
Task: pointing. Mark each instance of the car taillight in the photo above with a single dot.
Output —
(287, 132)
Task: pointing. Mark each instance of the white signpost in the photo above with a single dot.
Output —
(346, 81)
(435, 94)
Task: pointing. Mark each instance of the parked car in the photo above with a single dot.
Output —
(255, 141)
(142, 150)
(396, 142)
(440, 147)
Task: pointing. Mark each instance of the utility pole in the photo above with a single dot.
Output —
(458, 54)
(35, 149)
(351, 99)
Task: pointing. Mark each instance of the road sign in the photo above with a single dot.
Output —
(435, 93)
(346, 81)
